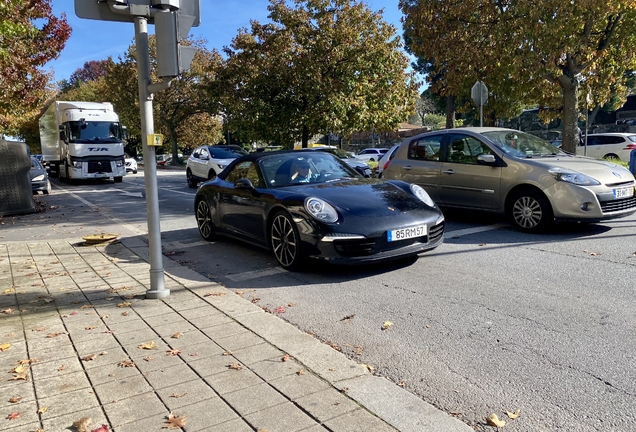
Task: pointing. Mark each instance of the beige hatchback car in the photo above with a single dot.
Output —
(510, 172)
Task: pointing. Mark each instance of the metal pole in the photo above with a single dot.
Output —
(587, 118)
(157, 286)
(481, 115)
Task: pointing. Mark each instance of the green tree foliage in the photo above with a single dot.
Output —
(538, 51)
(30, 36)
(319, 66)
(183, 113)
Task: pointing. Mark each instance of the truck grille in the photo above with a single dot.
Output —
(101, 166)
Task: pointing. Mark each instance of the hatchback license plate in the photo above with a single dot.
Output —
(624, 192)
(406, 233)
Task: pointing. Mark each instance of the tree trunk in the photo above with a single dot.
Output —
(450, 112)
(570, 135)
(305, 138)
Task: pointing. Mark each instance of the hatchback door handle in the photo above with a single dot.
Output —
(448, 171)
(408, 167)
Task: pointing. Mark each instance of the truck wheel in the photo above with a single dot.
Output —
(118, 179)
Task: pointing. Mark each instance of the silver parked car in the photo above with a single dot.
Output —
(510, 172)
(207, 161)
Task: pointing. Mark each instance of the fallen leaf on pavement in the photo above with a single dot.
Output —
(43, 410)
(386, 325)
(89, 357)
(177, 335)
(61, 368)
(126, 363)
(52, 335)
(82, 424)
(123, 304)
(301, 372)
(177, 395)
(148, 346)
(215, 294)
(9, 290)
(369, 367)
(285, 357)
(90, 328)
(38, 329)
(5, 346)
(174, 352)
(227, 353)
(280, 309)
(15, 399)
(513, 415)
(8, 311)
(493, 420)
(13, 416)
(102, 428)
(124, 314)
(148, 358)
(235, 366)
(348, 317)
(20, 368)
(174, 422)
(20, 376)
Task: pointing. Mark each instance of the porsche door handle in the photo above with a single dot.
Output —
(448, 171)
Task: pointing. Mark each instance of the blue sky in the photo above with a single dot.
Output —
(220, 21)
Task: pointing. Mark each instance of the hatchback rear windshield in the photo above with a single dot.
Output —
(227, 153)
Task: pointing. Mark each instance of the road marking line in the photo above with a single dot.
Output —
(468, 231)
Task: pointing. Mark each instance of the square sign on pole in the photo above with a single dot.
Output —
(126, 10)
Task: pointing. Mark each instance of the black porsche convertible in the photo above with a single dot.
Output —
(312, 205)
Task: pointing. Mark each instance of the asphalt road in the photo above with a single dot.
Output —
(492, 321)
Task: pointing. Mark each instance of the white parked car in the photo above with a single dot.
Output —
(385, 159)
(131, 165)
(614, 145)
(371, 154)
(207, 161)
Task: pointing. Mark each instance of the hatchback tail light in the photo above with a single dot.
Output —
(386, 164)
(631, 146)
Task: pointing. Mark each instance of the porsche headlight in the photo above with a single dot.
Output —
(421, 194)
(573, 177)
(321, 210)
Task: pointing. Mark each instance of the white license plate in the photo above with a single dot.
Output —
(624, 192)
(406, 233)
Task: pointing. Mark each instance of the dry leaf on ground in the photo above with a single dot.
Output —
(5, 346)
(177, 395)
(280, 309)
(215, 294)
(348, 317)
(52, 335)
(174, 352)
(285, 357)
(90, 328)
(148, 346)
(235, 366)
(227, 353)
(126, 363)
(13, 416)
(20, 376)
(15, 399)
(301, 372)
(386, 325)
(493, 420)
(43, 410)
(177, 335)
(513, 415)
(102, 428)
(82, 424)
(89, 357)
(174, 422)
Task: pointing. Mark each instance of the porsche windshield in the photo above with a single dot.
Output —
(94, 131)
(521, 144)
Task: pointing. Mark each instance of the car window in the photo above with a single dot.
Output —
(465, 149)
(195, 153)
(248, 170)
(425, 148)
(226, 153)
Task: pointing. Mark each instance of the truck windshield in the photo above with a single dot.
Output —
(94, 131)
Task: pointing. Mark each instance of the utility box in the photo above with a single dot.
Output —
(16, 194)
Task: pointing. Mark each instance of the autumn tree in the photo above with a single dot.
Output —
(540, 51)
(319, 66)
(30, 36)
(183, 112)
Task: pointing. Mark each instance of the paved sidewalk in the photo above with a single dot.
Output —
(78, 340)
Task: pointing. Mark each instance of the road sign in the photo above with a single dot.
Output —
(155, 140)
(479, 93)
(126, 10)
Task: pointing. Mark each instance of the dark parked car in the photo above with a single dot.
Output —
(39, 178)
(312, 205)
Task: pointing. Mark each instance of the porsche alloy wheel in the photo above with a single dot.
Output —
(204, 220)
(285, 241)
(530, 211)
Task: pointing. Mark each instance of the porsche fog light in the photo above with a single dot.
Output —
(321, 210)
